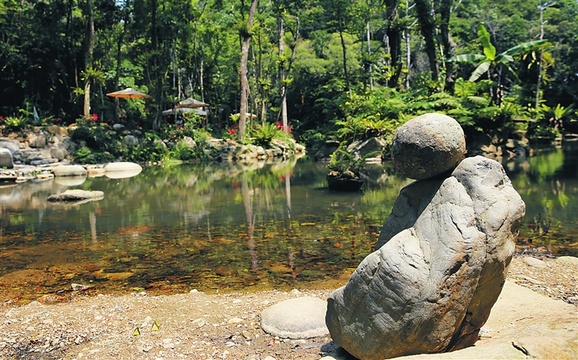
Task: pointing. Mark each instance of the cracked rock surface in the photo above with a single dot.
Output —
(439, 267)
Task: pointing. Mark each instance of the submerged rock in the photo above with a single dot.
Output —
(76, 195)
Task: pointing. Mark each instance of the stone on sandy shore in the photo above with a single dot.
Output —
(76, 195)
(298, 318)
(521, 321)
(427, 146)
(69, 170)
(439, 266)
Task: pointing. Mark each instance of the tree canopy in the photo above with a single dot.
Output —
(299, 62)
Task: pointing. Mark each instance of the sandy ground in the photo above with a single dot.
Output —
(196, 325)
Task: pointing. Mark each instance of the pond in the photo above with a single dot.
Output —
(225, 227)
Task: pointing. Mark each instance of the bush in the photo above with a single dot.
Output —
(15, 123)
(264, 134)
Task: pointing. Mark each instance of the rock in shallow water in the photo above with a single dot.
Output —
(76, 195)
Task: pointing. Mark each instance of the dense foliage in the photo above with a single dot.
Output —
(325, 69)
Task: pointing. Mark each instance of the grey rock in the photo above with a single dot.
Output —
(122, 166)
(12, 145)
(427, 146)
(6, 159)
(58, 153)
(76, 195)
(69, 170)
(37, 141)
(119, 170)
(298, 318)
(130, 140)
(372, 147)
(547, 332)
(438, 269)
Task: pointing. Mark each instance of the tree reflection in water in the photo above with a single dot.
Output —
(233, 227)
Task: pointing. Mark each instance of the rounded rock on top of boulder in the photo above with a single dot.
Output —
(427, 146)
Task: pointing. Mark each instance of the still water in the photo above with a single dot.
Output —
(228, 227)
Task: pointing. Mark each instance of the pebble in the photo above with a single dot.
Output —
(235, 320)
(168, 344)
(533, 262)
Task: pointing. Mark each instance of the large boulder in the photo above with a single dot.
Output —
(439, 266)
(427, 146)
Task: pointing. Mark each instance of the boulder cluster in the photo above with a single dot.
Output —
(442, 256)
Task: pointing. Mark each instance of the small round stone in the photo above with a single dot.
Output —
(297, 318)
(427, 146)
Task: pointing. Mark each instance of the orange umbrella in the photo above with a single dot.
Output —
(128, 93)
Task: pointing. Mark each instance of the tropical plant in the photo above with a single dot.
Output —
(264, 134)
(15, 123)
(495, 65)
(342, 161)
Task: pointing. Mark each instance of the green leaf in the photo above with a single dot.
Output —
(525, 47)
(480, 70)
(484, 37)
(468, 58)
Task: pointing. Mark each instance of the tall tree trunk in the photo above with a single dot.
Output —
(445, 14)
(246, 37)
(283, 110)
(126, 19)
(155, 61)
(260, 85)
(407, 39)
(393, 41)
(370, 65)
(88, 58)
(344, 52)
(427, 27)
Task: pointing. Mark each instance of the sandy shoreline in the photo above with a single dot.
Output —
(217, 326)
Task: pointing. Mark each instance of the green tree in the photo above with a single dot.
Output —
(245, 33)
(427, 26)
(495, 65)
(393, 32)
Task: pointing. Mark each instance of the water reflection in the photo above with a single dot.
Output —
(224, 226)
(548, 183)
